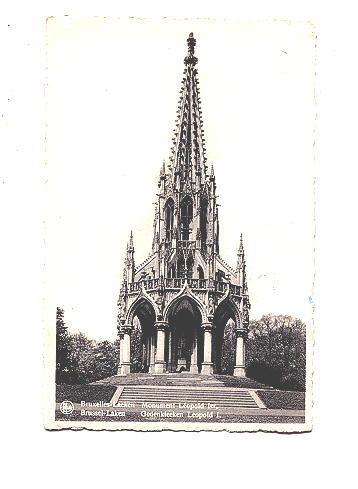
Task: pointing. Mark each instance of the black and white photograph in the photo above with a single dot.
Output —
(180, 224)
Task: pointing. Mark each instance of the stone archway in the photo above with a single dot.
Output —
(143, 336)
(184, 339)
(226, 322)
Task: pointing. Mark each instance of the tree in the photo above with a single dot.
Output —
(106, 357)
(276, 351)
(63, 349)
(82, 359)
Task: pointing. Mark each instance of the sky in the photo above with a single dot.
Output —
(111, 100)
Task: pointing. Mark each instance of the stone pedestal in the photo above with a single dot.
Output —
(194, 355)
(239, 369)
(125, 368)
(159, 367)
(194, 368)
(159, 358)
(206, 368)
(207, 365)
(120, 336)
(152, 354)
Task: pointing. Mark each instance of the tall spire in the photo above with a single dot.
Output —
(241, 267)
(240, 256)
(188, 151)
(129, 261)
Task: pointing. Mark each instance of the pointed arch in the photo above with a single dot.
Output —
(186, 217)
(200, 271)
(144, 308)
(169, 218)
(189, 296)
(142, 315)
(226, 320)
(227, 309)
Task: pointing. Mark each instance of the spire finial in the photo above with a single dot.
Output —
(131, 240)
(191, 41)
(241, 247)
(191, 59)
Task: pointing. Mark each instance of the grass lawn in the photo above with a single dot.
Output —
(231, 381)
(88, 393)
(282, 399)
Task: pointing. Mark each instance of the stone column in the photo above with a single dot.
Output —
(120, 336)
(239, 369)
(152, 353)
(159, 358)
(207, 365)
(147, 353)
(126, 349)
(170, 360)
(194, 354)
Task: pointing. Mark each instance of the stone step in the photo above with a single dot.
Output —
(241, 402)
(186, 379)
(229, 395)
(222, 404)
(216, 396)
(237, 403)
(177, 391)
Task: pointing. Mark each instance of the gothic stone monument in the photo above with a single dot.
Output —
(184, 293)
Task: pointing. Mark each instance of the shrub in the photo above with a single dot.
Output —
(276, 351)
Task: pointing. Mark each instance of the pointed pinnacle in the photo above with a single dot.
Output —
(162, 171)
(131, 240)
(241, 247)
(212, 174)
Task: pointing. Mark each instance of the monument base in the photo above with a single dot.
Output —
(159, 367)
(239, 371)
(125, 369)
(194, 369)
(206, 368)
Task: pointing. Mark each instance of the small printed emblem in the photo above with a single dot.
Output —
(66, 407)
